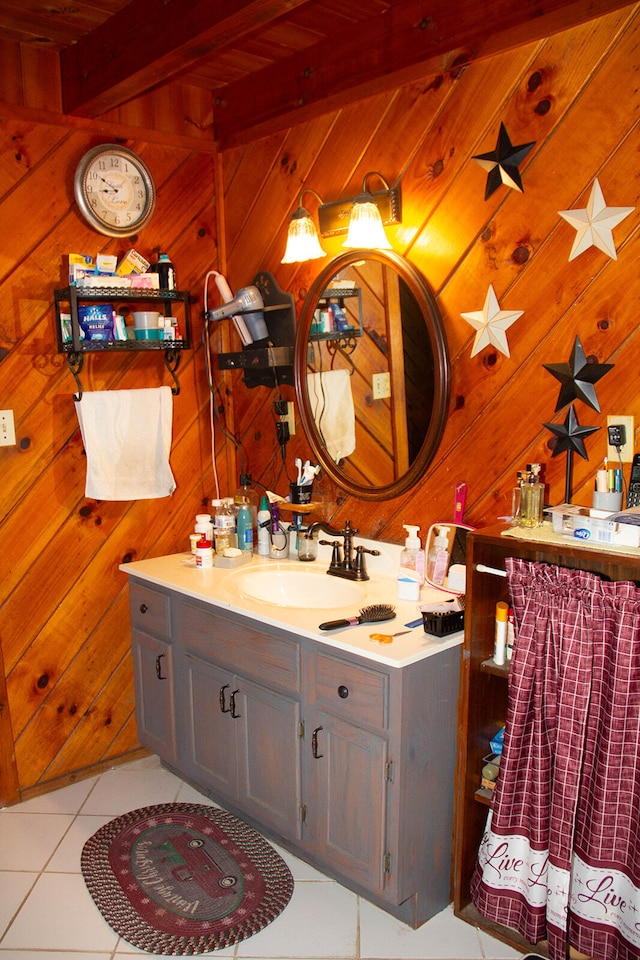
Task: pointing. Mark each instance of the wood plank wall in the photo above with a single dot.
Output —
(575, 96)
(68, 705)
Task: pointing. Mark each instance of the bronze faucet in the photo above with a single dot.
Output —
(343, 566)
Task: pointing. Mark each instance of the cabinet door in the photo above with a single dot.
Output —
(346, 810)
(154, 690)
(269, 757)
(210, 739)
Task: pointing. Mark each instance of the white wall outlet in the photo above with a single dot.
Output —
(7, 429)
(381, 385)
(626, 451)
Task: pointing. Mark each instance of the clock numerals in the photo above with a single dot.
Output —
(114, 190)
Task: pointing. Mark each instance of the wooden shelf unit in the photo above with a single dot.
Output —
(482, 705)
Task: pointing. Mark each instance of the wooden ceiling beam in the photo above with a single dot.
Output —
(147, 43)
(397, 47)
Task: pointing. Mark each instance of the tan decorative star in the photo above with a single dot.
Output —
(491, 323)
(594, 224)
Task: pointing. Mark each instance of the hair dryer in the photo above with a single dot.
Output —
(248, 302)
(227, 296)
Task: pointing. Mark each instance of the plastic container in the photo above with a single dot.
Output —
(500, 642)
(244, 521)
(264, 521)
(204, 526)
(531, 499)
(224, 525)
(204, 553)
(412, 556)
(166, 272)
(279, 537)
(438, 559)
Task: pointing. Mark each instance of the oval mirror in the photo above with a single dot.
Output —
(372, 373)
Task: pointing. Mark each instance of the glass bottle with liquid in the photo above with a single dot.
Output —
(531, 500)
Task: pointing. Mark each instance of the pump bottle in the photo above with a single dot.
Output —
(412, 556)
(264, 522)
(438, 559)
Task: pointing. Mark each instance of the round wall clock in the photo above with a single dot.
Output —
(114, 190)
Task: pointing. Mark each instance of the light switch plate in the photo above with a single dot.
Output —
(7, 429)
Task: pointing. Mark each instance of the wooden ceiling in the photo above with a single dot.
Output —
(271, 63)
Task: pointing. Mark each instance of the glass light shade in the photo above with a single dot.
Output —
(365, 227)
(302, 239)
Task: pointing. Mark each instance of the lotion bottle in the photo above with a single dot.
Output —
(264, 521)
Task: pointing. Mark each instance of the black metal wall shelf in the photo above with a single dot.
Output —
(77, 347)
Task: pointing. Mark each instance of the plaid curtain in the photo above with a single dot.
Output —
(560, 857)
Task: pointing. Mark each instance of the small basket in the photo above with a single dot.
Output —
(442, 624)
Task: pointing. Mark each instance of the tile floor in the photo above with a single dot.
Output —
(46, 912)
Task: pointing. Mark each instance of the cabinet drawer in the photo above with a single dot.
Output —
(351, 691)
(150, 611)
(240, 646)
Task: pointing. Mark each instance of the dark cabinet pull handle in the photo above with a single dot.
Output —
(232, 702)
(223, 707)
(159, 673)
(314, 744)
(143, 608)
(343, 692)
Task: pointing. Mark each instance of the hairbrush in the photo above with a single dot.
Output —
(371, 614)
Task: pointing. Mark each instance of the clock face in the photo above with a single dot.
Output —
(114, 190)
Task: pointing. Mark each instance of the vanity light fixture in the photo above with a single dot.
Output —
(303, 242)
(362, 218)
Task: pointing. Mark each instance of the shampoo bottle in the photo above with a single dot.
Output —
(438, 559)
(264, 521)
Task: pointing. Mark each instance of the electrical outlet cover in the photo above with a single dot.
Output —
(381, 386)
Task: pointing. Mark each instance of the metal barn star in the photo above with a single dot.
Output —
(502, 163)
(577, 377)
(570, 435)
(594, 224)
(491, 323)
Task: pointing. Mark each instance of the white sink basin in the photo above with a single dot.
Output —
(299, 588)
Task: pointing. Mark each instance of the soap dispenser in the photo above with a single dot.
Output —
(438, 559)
(411, 572)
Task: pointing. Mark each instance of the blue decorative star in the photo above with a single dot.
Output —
(502, 163)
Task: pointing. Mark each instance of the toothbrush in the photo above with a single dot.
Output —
(298, 465)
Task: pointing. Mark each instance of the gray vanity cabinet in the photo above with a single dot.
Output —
(153, 671)
(346, 761)
(349, 768)
(240, 715)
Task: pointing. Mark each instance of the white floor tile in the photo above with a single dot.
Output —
(51, 955)
(120, 790)
(27, 840)
(66, 859)
(320, 921)
(494, 949)
(14, 887)
(60, 911)
(65, 800)
(441, 938)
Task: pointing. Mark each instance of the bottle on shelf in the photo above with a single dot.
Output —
(166, 272)
(224, 525)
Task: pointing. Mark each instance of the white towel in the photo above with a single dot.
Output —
(127, 440)
(333, 411)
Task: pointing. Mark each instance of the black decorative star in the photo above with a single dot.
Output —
(502, 163)
(577, 377)
(570, 434)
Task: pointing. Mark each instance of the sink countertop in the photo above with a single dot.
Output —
(218, 586)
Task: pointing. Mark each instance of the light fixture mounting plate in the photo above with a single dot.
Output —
(333, 217)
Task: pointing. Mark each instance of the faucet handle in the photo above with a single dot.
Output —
(336, 556)
(360, 568)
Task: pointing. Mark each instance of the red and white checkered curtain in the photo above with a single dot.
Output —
(560, 857)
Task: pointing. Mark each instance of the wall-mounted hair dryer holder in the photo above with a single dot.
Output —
(268, 364)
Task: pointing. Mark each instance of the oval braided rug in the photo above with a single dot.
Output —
(184, 878)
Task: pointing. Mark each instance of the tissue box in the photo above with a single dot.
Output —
(576, 522)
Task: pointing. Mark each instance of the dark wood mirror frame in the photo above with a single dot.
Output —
(433, 320)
